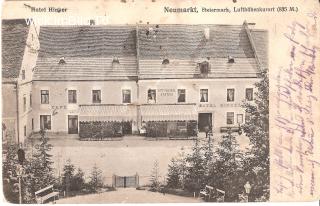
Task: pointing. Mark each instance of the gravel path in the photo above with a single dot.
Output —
(128, 195)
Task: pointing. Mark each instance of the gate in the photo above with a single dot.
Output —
(125, 181)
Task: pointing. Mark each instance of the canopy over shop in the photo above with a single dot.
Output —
(106, 120)
(169, 120)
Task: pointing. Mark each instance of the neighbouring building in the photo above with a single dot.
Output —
(20, 44)
(162, 80)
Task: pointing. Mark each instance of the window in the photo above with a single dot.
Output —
(24, 104)
(72, 96)
(247, 117)
(203, 95)
(32, 124)
(181, 95)
(96, 96)
(44, 96)
(126, 96)
(230, 117)
(152, 96)
(249, 94)
(30, 99)
(45, 122)
(230, 95)
(239, 118)
(23, 74)
(204, 67)
(25, 131)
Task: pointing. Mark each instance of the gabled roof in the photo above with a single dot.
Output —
(14, 38)
(260, 38)
(182, 41)
(87, 41)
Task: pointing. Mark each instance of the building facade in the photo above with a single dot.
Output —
(159, 80)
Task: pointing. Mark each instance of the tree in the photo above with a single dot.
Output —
(39, 171)
(9, 176)
(67, 176)
(226, 172)
(78, 181)
(155, 183)
(256, 128)
(195, 177)
(173, 180)
(96, 179)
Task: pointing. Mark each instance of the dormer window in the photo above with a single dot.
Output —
(165, 61)
(204, 67)
(62, 61)
(230, 59)
(115, 60)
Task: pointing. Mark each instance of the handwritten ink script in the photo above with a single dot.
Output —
(297, 101)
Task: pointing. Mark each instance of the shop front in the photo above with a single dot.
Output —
(106, 121)
(169, 120)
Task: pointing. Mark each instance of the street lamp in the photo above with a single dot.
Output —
(247, 188)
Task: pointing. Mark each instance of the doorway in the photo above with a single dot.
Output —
(73, 124)
(126, 128)
(205, 120)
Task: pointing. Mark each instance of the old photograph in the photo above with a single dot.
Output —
(145, 112)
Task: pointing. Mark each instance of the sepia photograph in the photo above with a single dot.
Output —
(151, 111)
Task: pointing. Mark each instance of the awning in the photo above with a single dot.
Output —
(108, 113)
(174, 112)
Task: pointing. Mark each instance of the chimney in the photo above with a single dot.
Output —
(207, 33)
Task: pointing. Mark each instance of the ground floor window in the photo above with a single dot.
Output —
(171, 129)
(45, 122)
(230, 117)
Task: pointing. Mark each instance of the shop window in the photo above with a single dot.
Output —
(152, 95)
(203, 95)
(24, 104)
(72, 96)
(44, 96)
(239, 118)
(230, 117)
(249, 94)
(96, 96)
(230, 95)
(126, 96)
(181, 95)
(45, 122)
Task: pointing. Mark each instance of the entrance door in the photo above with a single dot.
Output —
(205, 120)
(73, 124)
(126, 128)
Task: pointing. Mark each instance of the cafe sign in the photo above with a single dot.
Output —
(166, 92)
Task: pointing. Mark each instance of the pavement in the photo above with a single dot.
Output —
(128, 195)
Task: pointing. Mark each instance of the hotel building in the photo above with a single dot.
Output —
(162, 80)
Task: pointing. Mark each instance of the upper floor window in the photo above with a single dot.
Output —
(96, 96)
(126, 96)
(249, 94)
(203, 95)
(24, 104)
(230, 95)
(181, 95)
(72, 96)
(44, 96)
(152, 95)
(23, 74)
(230, 117)
(247, 117)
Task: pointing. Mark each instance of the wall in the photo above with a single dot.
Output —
(111, 93)
(217, 88)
